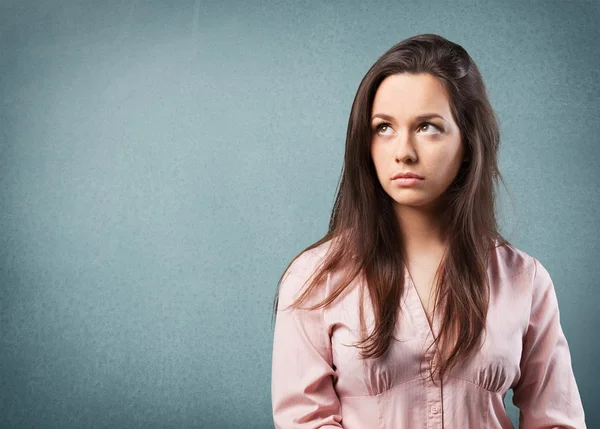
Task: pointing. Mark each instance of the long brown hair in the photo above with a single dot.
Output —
(364, 231)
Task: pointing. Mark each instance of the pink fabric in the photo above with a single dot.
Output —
(318, 380)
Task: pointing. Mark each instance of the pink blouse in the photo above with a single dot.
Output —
(318, 380)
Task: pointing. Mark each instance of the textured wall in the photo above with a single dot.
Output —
(162, 161)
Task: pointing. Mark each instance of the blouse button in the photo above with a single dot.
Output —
(434, 409)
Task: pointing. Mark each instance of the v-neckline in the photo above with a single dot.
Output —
(428, 328)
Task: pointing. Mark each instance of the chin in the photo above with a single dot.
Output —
(414, 200)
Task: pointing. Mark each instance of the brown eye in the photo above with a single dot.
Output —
(428, 125)
(380, 126)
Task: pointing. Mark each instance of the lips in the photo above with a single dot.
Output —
(407, 176)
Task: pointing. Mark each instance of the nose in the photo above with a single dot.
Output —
(404, 149)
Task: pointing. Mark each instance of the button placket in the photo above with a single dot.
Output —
(428, 362)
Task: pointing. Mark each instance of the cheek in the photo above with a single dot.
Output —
(378, 162)
(445, 162)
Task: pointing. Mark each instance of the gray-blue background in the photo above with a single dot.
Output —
(162, 161)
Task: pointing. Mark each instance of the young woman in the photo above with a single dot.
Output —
(413, 311)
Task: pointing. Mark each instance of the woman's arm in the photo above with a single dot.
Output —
(546, 393)
(302, 392)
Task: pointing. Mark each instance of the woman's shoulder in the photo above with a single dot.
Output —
(309, 259)
(301, 269)
(511, 264)
(509, 253)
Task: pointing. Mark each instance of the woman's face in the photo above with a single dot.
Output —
(404, 142)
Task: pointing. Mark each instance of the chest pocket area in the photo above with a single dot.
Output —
(494, 367)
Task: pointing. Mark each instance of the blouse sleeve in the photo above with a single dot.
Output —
(302, 391)
(546, 393)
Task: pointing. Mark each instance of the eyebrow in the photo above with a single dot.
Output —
(424, 117)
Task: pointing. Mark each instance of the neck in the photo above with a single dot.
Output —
(422, 230)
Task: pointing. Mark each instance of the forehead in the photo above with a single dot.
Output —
(405, 95)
